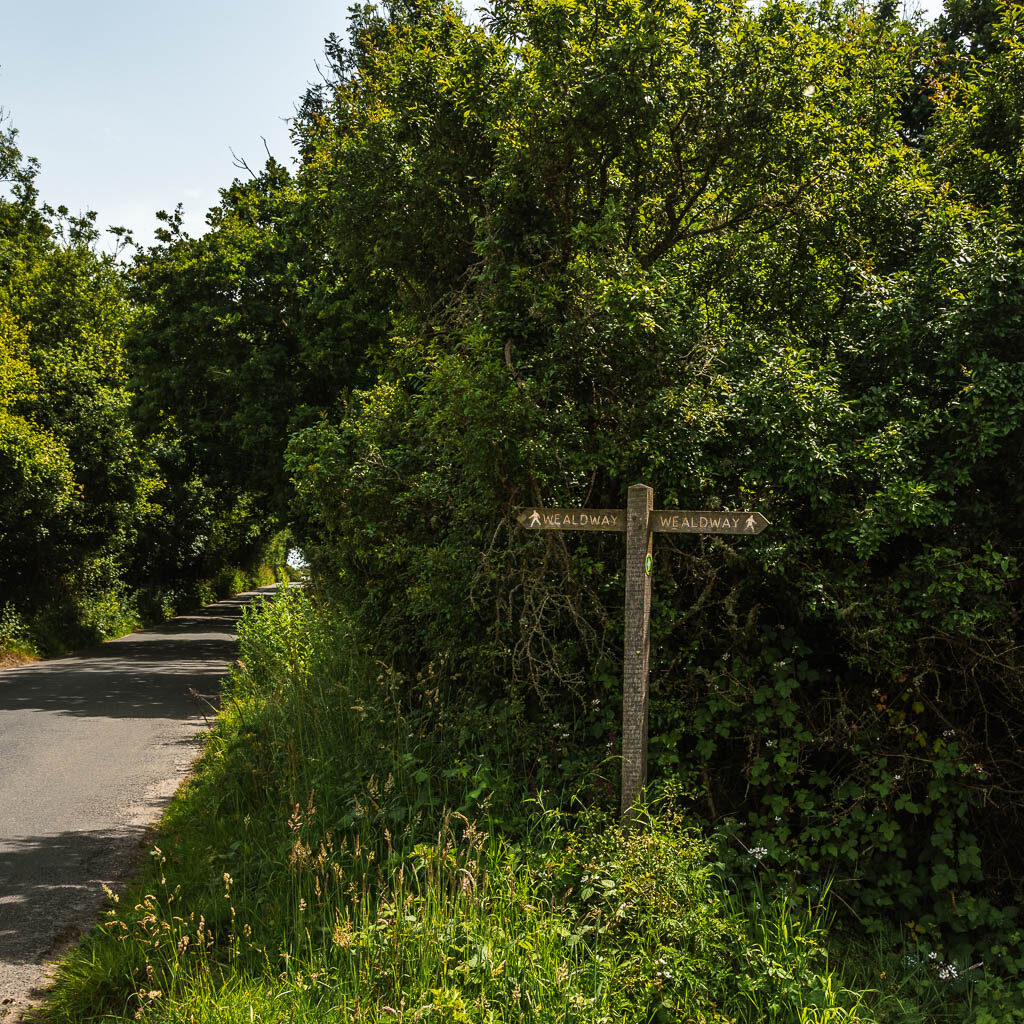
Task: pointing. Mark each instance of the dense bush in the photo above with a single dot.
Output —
(692, 245)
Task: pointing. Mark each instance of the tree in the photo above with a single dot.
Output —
(74, 481)
(977, 139)
(243, 335)
(613, 146)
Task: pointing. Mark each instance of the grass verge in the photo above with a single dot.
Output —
(343, 854)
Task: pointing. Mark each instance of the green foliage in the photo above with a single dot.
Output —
(73, 482)
(977, 139)
(690, 245)
(16, 643)
(363, 897)
(242, 336)
(533, 371)
(97, 525)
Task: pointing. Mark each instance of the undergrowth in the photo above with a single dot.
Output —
(341, 854)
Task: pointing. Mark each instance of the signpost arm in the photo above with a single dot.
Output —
(640, 522)
(637, 646)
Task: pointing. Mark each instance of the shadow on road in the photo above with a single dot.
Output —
(143, 675)
(58, 879)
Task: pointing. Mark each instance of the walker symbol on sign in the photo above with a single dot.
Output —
(642, 521)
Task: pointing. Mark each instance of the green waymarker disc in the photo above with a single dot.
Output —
(648, 565)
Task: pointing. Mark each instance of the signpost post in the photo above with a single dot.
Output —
(639, 521)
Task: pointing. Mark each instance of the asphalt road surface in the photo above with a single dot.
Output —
(92, 746)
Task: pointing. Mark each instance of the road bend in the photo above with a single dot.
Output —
(92, 746)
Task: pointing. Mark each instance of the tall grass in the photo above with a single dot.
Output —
(347, 853)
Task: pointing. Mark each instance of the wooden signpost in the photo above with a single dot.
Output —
(640, 520)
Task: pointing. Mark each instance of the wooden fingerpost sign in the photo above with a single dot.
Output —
(639, 521)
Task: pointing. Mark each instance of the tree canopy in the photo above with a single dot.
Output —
(74, 481)
(102, 514)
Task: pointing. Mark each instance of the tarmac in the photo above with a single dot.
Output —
(92, 747)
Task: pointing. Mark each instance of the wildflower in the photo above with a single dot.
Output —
(342, 934)
(758, 853)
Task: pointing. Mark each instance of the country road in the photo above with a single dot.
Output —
(91, 748)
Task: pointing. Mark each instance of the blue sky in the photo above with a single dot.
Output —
(134, 106)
